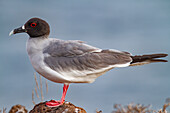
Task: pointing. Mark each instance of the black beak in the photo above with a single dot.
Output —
(18, 30)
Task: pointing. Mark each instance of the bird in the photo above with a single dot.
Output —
(73, 61)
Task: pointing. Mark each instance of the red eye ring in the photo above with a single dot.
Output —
(33, 24)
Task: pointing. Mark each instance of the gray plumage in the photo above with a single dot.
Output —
(73, 61)
(75, 55)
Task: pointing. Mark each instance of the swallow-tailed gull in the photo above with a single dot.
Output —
(72, 61)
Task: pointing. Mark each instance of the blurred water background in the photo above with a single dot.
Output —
(128, 25)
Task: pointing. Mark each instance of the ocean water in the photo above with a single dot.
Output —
(139, 27)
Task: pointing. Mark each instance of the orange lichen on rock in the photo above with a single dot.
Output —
(18, 109)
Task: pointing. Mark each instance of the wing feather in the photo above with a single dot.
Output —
(73, 58)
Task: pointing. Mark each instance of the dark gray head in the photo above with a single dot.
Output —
(35, 27)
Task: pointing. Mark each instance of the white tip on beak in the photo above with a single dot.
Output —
(12, 32)
(18, 30)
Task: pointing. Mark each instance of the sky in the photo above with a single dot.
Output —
(139, 27)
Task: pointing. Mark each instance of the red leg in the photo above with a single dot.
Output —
(54, 103)
(65, 88)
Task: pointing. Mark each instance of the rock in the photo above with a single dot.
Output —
(67, 107)
(18, 109)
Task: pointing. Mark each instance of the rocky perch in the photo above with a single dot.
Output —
(67, 107)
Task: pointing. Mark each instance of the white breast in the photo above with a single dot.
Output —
(35, 48)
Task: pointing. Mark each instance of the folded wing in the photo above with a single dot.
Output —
(74, 58)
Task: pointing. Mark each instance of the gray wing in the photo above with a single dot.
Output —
(61, 48)
(81, 59)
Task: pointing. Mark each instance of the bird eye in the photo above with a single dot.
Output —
(33, 24)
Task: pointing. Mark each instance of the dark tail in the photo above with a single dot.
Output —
(146, 59)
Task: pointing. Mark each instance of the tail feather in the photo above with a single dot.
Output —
(146, 59)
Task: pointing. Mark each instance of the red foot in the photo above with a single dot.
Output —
(53, 103)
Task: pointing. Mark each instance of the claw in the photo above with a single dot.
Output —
(53, 103)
